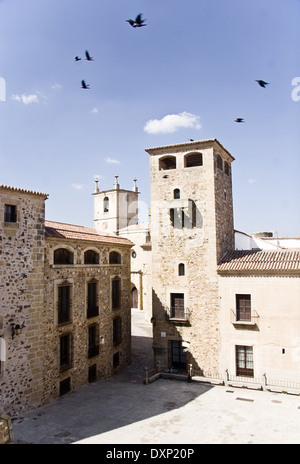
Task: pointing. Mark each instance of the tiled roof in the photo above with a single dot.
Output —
(70, 231)
(20, 190)
(260, 261)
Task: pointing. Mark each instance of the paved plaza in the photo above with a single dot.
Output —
(122, 410)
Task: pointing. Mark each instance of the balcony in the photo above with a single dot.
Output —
(251, 322)
(177, 315)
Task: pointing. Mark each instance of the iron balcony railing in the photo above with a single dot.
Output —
(176, 314)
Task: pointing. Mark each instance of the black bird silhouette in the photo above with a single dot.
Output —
(262, 83)
(77, 58)
(88, 57)
(84, 85)
(138, 22)
(239, 120)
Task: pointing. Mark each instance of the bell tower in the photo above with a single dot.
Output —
(116, 208)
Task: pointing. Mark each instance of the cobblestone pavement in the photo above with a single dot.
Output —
(122, 410)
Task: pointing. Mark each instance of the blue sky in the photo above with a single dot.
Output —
(196, 60)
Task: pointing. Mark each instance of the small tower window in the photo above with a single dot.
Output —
(219, 163)
(105, 204)
(192, 160)
(181, 269)
(226, 168)
(176, 194)
(169, 162)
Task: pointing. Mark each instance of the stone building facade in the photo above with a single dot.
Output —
(66, 289)
(191, 228)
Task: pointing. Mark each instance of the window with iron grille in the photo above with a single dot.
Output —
(244, 361)
(92, 299)
(243, 307)
(64, 304)
(177, 305)
(10, 213)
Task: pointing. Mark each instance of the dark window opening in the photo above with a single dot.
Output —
(176, 194)
(181, 269)
(92, 299)
(193, 160)
(177, 355)
(114, 257)
(219, 162)
(63, 256)
(10, 213)
(226, 168)
(91, 257)
(93, 348)
(65, 352)
(64, 303)
(166, 163)
(116, 293)
(106, 205)
(117, 331)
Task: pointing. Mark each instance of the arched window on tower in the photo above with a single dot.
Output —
(219, 162)
(181, 269)
(168, 162)
(192, 160)
(105, 204)
(176, 194)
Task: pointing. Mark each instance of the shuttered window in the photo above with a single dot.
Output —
(64, 304)
(177, 305)
(243, 307)
(244, 361)
(116, 293)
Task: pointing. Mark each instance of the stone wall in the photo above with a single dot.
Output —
(22, 290)
(78, 275)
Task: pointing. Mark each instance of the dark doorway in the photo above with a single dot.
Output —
(178, 356)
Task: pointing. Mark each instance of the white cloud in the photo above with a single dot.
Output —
(172, 122)
(95, 110)
(112, 161)
(26, 99)
(56, 87)
(252, 181)
(77, 186)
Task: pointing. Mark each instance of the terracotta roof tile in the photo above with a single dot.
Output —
(70, 231)
(20, 190)
(260, 260)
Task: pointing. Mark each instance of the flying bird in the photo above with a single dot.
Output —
(239, 120)
(262, 83)
(88, 57)
(138, 22)
(84, 85)
(77, 58)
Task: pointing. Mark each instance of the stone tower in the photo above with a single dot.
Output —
(115, 209)
(191, 228)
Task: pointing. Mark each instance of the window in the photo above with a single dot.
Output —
(181, 269)
(226, 168)
(65, 352)
(105, 204)
(116, 293)
(64, 304)
(219, 162)
(117, 331)
(10, 213)
(169, 162)
(177, 305)
(176, 194)
(92, 299)
(244, 361)
(193, 160)
(243, 307)
(178, 356)
(63, 256)
(114, 257)
(91, 257)
(92, 376)
(64, 386)
(93, 346)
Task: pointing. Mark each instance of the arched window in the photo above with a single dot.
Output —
(91, 257)
(168, 162)
(176, 194)
(226, 168)
(192, 160)
(181, 269)
(114, 257)
(105, 204)
(219, 162)
(63, 256)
